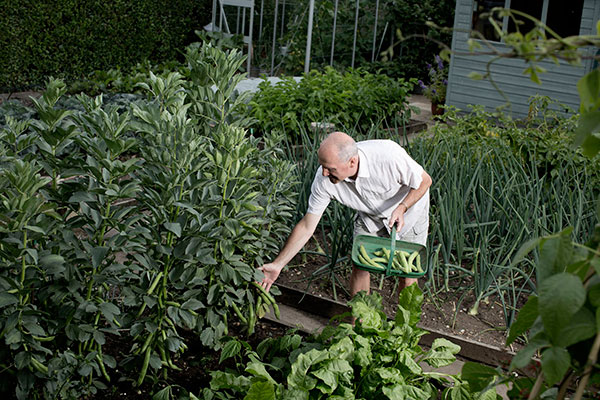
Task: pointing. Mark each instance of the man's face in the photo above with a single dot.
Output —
(335, 169)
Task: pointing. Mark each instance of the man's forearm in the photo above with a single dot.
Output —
(296, 241)
(415, 195)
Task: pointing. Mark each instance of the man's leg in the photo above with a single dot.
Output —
(359, 280)
(405, 282)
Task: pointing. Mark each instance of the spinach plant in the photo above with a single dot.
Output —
(375, 358)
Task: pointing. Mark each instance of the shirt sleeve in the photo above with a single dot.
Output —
(410, 173)
(319, 198)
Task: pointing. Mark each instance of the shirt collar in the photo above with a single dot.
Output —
(363, 167)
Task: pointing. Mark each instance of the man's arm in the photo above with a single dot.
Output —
(411, 198)
(298, 238)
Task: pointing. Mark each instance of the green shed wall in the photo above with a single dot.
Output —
(559, 82)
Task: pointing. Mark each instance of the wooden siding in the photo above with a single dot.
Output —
(559, 82)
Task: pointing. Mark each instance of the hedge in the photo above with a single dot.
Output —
(72, 38)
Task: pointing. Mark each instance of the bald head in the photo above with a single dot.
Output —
(337, 147)
(338, 156)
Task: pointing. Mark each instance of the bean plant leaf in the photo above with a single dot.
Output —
(560, 297)
(555, 363)
(7, 299)
(261, 390)
(174, 227)
(525, 319)
(98, 255)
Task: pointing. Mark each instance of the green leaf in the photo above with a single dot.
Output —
(174, 227)
(475, 76)
(163, 394)
(589, 90)
(525, 319)
(581, 327)
(560, 297)
(411, 300)
(225, 380)
(109, 310)
(261, 390)
(231, 349)
(525, 249)
(98, 255)
(51, 261)
(299, 377)
(555, 254)
(441, 353)
(7, 299)
(404, 392)
(257, 368)
(588, 124)
(555, 363)
(523, 357)
(478, 375)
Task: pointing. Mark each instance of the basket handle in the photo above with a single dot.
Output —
(392, 251)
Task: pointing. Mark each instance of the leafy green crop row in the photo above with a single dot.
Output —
(374, 359)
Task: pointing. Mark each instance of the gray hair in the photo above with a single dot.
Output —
(347, 150)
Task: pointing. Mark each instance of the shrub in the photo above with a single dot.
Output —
(70, 39)
(354, 99)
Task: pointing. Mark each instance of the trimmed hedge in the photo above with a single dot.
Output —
(72, 38)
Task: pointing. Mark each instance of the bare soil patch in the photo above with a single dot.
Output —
(447, 311)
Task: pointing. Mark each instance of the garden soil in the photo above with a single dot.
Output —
(450, 311)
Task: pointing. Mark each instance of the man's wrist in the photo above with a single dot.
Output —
(405, 206)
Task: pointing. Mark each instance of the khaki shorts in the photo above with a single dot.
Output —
(416, 234)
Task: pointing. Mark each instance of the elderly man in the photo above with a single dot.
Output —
(379, 180)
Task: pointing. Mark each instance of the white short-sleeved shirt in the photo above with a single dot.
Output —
(386, 173)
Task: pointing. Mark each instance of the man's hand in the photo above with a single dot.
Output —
(271, 272)
(397, 217)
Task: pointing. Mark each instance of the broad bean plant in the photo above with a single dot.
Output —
(123, 227)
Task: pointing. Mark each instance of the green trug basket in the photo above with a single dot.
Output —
(374, 243)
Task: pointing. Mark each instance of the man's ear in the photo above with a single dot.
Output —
(353, 161)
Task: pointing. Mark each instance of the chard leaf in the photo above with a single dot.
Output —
(390, 376)
(410, 299)
(257, 368)
(261, 390)
(404, 392)
(362, 353)
(299, 377)
(225, 380)
(406, 358)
